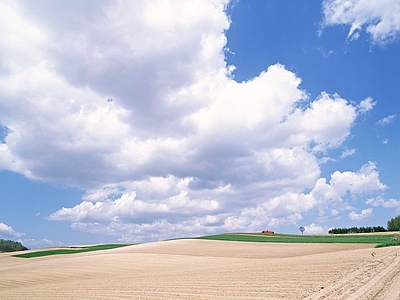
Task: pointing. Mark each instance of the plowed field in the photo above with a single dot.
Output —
(203, 269)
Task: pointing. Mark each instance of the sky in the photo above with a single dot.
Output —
(139, 121)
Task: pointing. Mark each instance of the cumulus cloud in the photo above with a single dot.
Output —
(380, 19)
(165, 207)
(324, 194)
(7, 231)
(182, 148)
(127, 207)
(314, 229)
(365, 214)
(387, 120)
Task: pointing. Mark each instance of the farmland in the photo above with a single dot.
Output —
(208, 269)
(377, 238)
(69, 250)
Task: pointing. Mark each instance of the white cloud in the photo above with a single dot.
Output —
(387, 120)
(40, 243)
(325, 159)
(380, 19)
(127, 207)
(379, 201)
(314, 229)
(160, 208)
(7, 231)
(161, 229)
(325, 122)
(347, 152)
(188, 109)
(366, 105)
(365, 214)
(334, 212)
(365, 180)
(182, 146)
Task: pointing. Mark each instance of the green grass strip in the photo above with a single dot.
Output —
(286, 238)
(69, 250)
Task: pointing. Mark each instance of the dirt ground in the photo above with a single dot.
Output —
(202, 269)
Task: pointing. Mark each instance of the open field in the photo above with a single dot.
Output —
(360, 238)
(208, 269)
(68, 250)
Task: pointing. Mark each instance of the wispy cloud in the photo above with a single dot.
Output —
(347, 153)
(324, 53)
(387, 120)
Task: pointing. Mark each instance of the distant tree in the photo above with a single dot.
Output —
(353, 230)
(302, 229)
(379, 229)
(10, 246)
(394, 224)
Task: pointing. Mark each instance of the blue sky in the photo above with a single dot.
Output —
(127, 121)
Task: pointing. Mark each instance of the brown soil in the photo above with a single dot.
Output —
(201, 269)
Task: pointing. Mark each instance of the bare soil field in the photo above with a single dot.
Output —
(203, 269)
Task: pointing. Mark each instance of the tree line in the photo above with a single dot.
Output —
(10, 246)
(357, 230)
(392, 225)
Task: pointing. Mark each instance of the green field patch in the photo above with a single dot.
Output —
(394, 241)
(287, 238)
(70, 250)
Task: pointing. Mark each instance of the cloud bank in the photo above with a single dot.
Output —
(134, 103)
